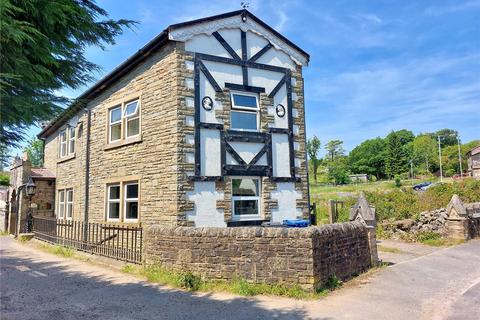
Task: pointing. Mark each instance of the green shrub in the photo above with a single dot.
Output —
(188, 280)
(398, 181)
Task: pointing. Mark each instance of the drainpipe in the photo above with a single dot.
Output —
(87, 175)
(305, 147)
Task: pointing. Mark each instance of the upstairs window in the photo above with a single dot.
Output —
(67, 142)
(245, 112)
(63, 143)
(124, 121)
(71, 140)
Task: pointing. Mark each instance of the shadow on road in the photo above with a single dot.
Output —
(46, 290)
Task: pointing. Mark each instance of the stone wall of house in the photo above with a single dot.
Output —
(43, 202)
(292, 256)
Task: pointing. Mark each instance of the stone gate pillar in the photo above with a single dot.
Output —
(365, 213)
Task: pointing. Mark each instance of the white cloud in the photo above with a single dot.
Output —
(457, 6)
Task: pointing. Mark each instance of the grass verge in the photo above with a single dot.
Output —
(238, 286)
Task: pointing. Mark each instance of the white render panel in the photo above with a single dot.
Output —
(233, 38)
(206, 89)
(230, 160)
(286, 196)
(205, 213)
(255, 43)
(247, 150)
(263, 78)
(210, 152)
(280, 155)
(281, 98)
(277, 58)
(222, 73)
(206, 44)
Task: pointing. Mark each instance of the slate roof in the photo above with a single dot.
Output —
(42, 173)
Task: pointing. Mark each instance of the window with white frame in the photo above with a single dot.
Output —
(124, 121)
(63, 143)
(245, 111)
(246, 198)
(132, 119)
(131, 202)
(122, 202)
(67, 142)
(61, 204)
(69, 211)
(71, 140)
(113, 205)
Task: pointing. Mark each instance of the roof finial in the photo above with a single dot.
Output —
(245, 4)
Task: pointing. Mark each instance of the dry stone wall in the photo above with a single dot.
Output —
(291, 256)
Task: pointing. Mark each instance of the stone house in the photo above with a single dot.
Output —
(203, 126)
(473, 160)
(42, 203)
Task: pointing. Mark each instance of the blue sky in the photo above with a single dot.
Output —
(376, 66)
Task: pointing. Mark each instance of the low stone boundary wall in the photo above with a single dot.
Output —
(291, 256)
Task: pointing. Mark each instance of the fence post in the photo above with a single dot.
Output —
(331, 211)
(365, 213)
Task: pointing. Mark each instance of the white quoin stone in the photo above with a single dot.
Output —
(205, 213)
(286, 196)
(189, 121)
(189, 65)
(190, 102)
(189, 83)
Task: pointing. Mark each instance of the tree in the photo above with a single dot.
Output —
(43, 46)
(424, 152)
(368, 157)
(338, 171)
(396, 160)
(448, 137)
(334, 149)
(313, 146)
(35, 152)
(4, 179)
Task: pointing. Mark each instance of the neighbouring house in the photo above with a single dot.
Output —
(473, 160)
(42, 203)
(203, 126)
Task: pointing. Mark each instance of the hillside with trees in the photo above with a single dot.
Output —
(399, 154)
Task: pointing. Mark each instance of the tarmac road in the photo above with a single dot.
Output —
(437, 284)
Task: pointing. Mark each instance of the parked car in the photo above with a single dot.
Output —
(421, 186)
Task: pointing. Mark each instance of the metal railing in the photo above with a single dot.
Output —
(108, 240)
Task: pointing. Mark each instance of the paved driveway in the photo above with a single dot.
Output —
(442, 284)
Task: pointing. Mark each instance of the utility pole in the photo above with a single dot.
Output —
(459, 157)
(440, 158)
(411, 171)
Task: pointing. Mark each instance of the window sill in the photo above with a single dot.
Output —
(121, 143)
(66, 158)
(117, 223)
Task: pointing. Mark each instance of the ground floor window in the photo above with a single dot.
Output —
(246, 198)
(65, 204)
(122, 202)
